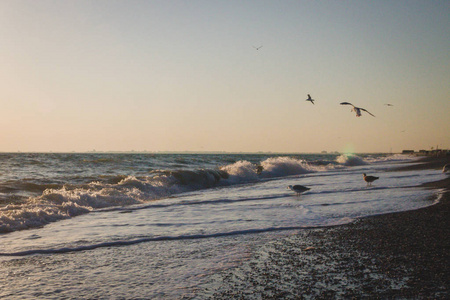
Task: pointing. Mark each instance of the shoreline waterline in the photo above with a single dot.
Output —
(394, 255)
(304, 262)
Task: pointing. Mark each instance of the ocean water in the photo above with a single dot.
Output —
(102, 225)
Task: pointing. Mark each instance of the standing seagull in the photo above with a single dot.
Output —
(298, 188)
(369, 179)
(357, 110)
(310, 99)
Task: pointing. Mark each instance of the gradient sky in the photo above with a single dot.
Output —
(184, 75)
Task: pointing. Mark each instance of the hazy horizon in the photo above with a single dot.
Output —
(176, 76)
(416, 151)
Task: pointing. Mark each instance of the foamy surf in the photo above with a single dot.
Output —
(59, 201)
(167, 224)
(351, 160)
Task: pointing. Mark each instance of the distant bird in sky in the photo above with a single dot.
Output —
(357, 110)
(257, 48)
(369, 179)
(298, 188)
(388, 104)
(310, 99)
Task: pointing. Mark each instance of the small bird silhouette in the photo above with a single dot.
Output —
(298, 188)
(369, 179)
(257, 48)
(310, 99)
(357, 110)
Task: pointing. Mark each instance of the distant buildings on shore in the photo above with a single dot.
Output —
(435, 152)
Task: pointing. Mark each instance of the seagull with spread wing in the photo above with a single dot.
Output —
(357, 110)
(310, 99)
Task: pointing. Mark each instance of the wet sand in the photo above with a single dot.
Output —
(394, 256)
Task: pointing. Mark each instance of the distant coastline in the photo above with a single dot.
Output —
(199, 152)
(430, 153)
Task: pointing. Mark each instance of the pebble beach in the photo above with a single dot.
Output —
(401, 255)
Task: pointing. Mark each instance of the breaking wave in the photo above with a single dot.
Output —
(56, 201)
(285, 166)
(351, 160)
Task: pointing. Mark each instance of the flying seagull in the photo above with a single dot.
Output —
(257, 48)
(357, 110)
(388, 104)
(369, 179)
(310, 99)
(298, 188)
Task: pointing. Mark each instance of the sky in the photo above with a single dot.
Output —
(186, 75)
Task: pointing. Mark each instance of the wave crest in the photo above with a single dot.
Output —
(36, 214)
(351, 160)
(284, 166)
(241, 171)
(57, 201)
(71, 200)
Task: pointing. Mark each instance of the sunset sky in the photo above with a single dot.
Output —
(185, 75)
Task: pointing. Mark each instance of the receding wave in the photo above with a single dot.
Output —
(151, 239)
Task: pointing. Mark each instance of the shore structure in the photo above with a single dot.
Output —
(429, 153)
(401, 255)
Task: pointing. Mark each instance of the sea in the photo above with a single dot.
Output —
(166, 225)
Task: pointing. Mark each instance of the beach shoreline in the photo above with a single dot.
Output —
(403, 255)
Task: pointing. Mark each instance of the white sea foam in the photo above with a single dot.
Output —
(241, 171)
(351, 160)
(389, 158)
(285, 166)
(36, 213)
(175, 242)
(249, 208)
(63, 203)
(57, 203)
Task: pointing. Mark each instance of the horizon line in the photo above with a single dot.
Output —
(202, 152)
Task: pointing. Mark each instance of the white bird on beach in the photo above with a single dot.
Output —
(298, 188)
(310, 99)
(369, 179)
(446, 168)
(357, 110)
